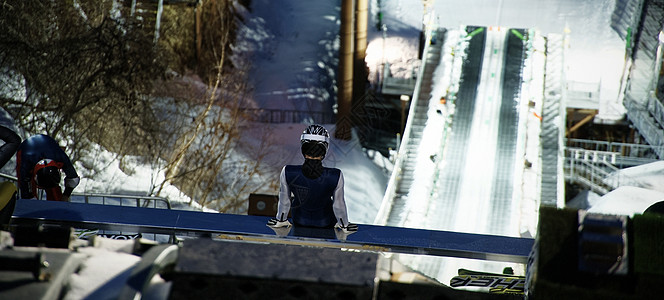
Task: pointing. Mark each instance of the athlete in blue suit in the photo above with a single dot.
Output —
(38, 164)
(313, 194)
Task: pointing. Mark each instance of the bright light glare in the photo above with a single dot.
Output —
(393, 50)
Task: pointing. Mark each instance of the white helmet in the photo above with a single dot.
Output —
(314, 141)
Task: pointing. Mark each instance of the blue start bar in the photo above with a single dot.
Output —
(253, 228)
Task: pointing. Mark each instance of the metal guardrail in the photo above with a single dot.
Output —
(595, 169)
(656, 109)
(110, 199)
(627, 154)
(121, 200)
(288, 116)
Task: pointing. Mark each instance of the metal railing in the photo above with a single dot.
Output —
(595, 170)
(121, 200)
(288, 116)
(109, 199)
(627, 154)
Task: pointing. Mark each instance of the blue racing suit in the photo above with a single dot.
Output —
(312, 202)
(34, 149)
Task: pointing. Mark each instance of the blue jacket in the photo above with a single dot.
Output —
(315, 202)
(34, 149)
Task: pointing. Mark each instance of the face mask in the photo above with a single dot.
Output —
(312, 168)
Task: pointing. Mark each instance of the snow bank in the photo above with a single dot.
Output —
(649, 176)
(627, 200)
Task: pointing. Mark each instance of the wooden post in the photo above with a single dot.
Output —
(360, 70)
(361, 31)
(345, 77)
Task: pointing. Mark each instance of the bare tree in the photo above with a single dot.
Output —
(88, 72)
(207, 161)
(85, 68)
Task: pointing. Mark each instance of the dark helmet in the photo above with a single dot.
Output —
(47, 174)
(314, 141)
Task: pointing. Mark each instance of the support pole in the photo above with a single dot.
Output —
(360, 69)
(160, 10)
(345, 77)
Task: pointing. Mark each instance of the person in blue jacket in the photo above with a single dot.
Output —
(311, 193)
(38, 164)
(7, 189)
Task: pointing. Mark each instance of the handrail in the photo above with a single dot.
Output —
(628, 154)
(590, 168)
(87, 196)
(264, 115)
(119, 198)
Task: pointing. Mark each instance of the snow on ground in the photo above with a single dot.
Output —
(649, 176)
(134, 178)
(286, 51)
(278, 43)
(626, 200)
(394, 39)
(639, 187)
(596, 53)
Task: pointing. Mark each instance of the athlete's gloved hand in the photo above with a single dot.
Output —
(342, 232)
(276, 223)
(348, 228)
(281, 228)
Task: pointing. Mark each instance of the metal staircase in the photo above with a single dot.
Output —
(591, 169)
(596, 164)
(640, 24)
(418, 122)
(550, 135)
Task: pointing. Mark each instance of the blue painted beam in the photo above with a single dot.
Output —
(253, 228)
